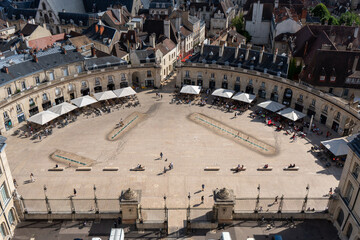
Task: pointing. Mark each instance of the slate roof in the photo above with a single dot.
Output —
(157, 27)
(102, 5)
(211, 55)
(266, 14)
(29, 29)
(27, 13)
(144, 54)
(161, 4)
(108, 33)
(75, 6)
(103, 62)
(355, 145)
(22, 65)
(76, 17)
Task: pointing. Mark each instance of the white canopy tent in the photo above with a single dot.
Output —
(44, 117)
(225, 93)
(338, 146)
(124, 92)
(83, 101)
(291, 114)
(62, 108)
(101, 96)
(271, 106)
(244, 97)
(190, 89)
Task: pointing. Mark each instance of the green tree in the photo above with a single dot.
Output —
(331, 20)
(321, 11)
(238, 23)
(349, 18)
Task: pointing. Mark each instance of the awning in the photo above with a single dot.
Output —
(83, 101)
(124, 92)
(62, 108)
(337, 146)
(244, 97)
(271, 106)
(101, 96)
(225, 93)
(190, 89)
(43, 117)
(291, 114)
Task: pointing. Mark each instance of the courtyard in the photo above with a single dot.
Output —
(189, 146)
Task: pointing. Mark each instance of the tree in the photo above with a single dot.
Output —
(349, 18)
(321, 11)
(238, 23)
(331, 20)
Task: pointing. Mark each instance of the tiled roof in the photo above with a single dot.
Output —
(166, 46)
(284, 13)
(44, 42)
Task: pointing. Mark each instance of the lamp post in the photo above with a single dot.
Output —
(257, 200)
(305, 199)
(47, 200)
(95, 200)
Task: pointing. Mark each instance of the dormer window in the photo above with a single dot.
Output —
(322, 78)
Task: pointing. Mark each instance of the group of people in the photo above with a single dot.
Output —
(291, 165)
(239, 168)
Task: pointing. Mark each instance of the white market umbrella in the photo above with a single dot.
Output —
(62, 108)
(43, 117)
(271, 106)
(83, 101)
(244, 97)
(124, 92)
(101, 96)
(225, 93)
(291, 114)
(190, 89)
(338, 146)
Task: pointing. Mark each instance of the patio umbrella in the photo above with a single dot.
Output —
(271, 106)
(244, 97)
(291, 114)
(83, 101)
(190, 89)
(101, 96)
(338, 146)
(43, 117)
(62, 108)
(225, 93)
(124, 92)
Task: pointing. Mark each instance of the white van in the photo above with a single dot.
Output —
(225, 236)
(117, 234)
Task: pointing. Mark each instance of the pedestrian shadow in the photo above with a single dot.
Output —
(197, 205)
(27, 181)
(157, 159)
(161, 173)
(197, 192)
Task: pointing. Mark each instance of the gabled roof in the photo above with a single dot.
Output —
(266, 14)
(29, 29)
(165, 46)
(100, 35)
(130, 36)
(75, 6)
(44, 42)
(157, 27)
(124, 16)
(184, 31)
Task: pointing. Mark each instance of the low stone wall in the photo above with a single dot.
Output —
(300, 216)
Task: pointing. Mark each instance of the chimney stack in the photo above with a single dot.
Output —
(221, 50)
(96, 28)
(102, 28)
(152, 39)
(167, 28)
(93, 51)
(275, 55)
(289, 58)
(236, 52)
(355, 63)
(6, 69)
(35, 58)
(248, 47)
(261, 55)
(202, 49)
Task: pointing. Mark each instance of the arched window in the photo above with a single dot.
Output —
(97, 81)
(340, 217)
(3, 231)
(57, 91)
(83, 84)
(11, 217)
(349, 231)
(70, 87)
(45, 97)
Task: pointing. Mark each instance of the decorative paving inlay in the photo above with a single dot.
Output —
(71, 158)
(131, 121)
(236, 135)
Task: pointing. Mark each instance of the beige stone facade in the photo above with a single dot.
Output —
(326, 109)
(345, 205)
(47, 88)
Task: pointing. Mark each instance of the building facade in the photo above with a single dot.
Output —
(345, 204)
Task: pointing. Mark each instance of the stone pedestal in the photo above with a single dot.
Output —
(129, 203)
(224, 205)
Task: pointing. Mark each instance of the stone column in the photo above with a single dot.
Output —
(130, 203)
(224, 205)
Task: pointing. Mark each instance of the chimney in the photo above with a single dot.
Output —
(261, 55)
(289, 58)
(248, 47)
(78, 49)
(6, 69)
(152, 39)
(355, 63)
(167, 28)
(102, 28)
(236, 52)
(93, 51)
(221, 50)
(35, 58)
(275, 55)
(63, 50)
(96, 28)
(202, 49)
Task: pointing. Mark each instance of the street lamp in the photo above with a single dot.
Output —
(45, 189)
(257, 200)
(94, 190)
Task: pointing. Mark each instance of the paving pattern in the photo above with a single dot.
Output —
(71, 159)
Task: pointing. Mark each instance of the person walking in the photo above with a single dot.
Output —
(202, 187)
(235, 115)
(202, 199)
(164, 170)
(32, 179)
(161, 96)
(75, 192)
(161, 155)
(276, 199)
(15, 183)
